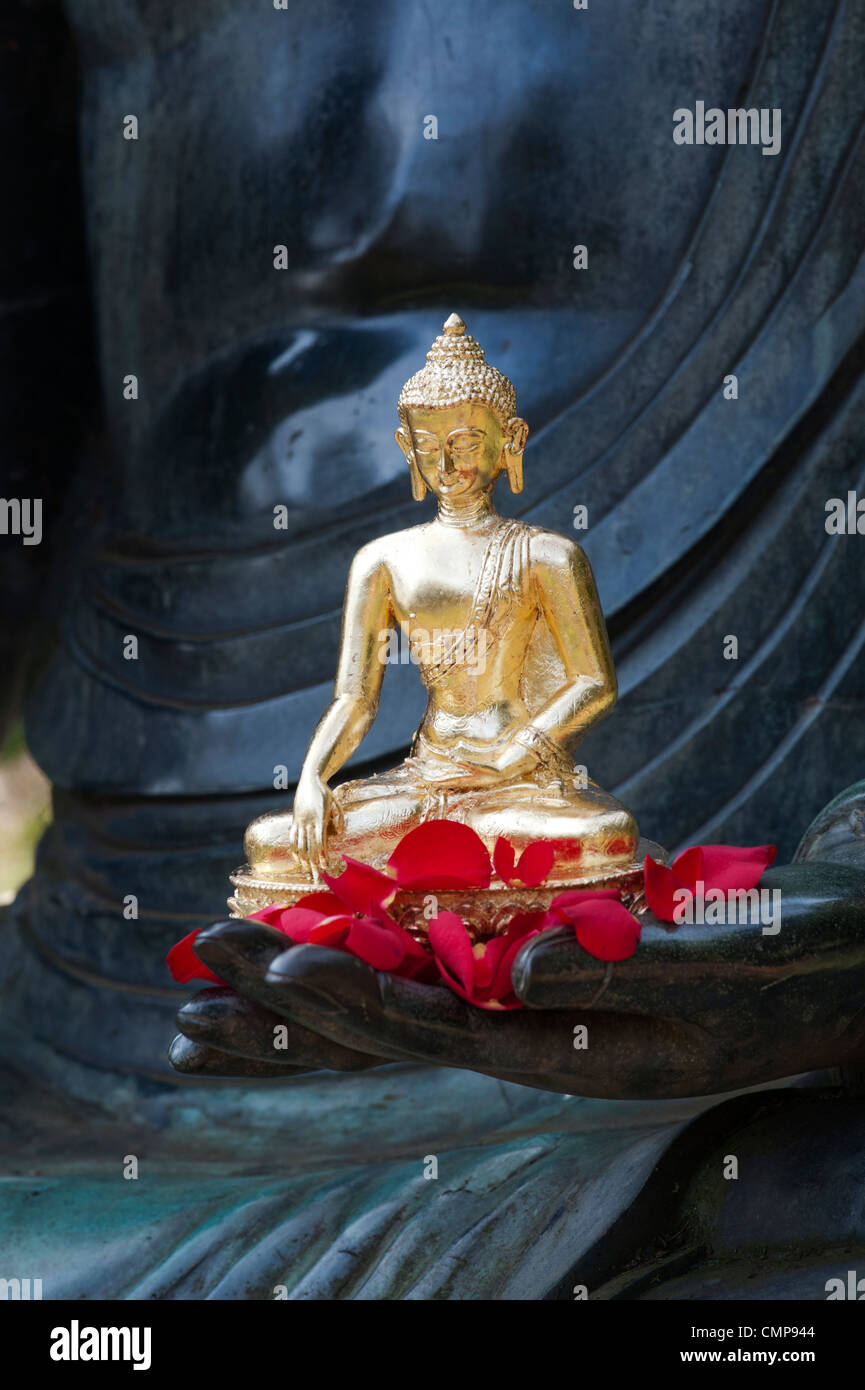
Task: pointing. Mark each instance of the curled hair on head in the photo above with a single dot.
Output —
(457, 373)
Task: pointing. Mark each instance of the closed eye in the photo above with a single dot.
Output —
(466, 441)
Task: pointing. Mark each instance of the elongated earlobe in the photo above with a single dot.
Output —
(514, 470)
(418, 486)
(518, 433)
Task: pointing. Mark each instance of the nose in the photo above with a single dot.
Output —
(446, 463)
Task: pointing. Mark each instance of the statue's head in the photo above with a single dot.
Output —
(459, 424)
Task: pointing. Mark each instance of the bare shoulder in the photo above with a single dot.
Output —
(554, 553)
(377, 556)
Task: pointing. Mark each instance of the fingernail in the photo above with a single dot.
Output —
(315, 999)
(185, 1055)
(213, 953)
(333, 979)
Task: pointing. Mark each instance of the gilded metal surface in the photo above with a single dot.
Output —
(504, 623)
(485, 913)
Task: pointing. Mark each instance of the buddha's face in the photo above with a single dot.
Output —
(459, 451)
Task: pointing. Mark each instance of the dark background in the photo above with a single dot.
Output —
(259, 387)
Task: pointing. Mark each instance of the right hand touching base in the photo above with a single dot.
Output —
(313, 803)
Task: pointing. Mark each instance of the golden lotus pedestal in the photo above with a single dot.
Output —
(485, 911)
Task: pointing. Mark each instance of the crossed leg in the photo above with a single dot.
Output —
(590, 828)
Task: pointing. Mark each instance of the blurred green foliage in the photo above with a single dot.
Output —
(25, 811)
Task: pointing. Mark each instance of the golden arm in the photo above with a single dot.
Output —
(367, 613)
(570, 604)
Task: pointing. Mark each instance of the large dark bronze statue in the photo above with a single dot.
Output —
(217, 293)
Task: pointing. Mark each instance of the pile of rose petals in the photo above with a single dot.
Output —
(352, 913)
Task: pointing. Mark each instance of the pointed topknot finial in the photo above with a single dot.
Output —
(456, 371)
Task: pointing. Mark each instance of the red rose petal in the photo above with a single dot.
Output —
(269, 915)
(362, 889)
(299, 922)
(412, 947)
(329, 931)
(563, 907)
(485, 962)
(185, 965)
(326, 903)
(441, 854)
(375, 944)
(607, 930)
(504, 859)
(453, 949)
(522, 924)
(501, 988)
(688, 867)
(520, 928)
(575, 897)
(733, 866)
(535, 863)
(319, 904)
(418, 965)
(660, 883)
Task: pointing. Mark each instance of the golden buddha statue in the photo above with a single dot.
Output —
(506, 627)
